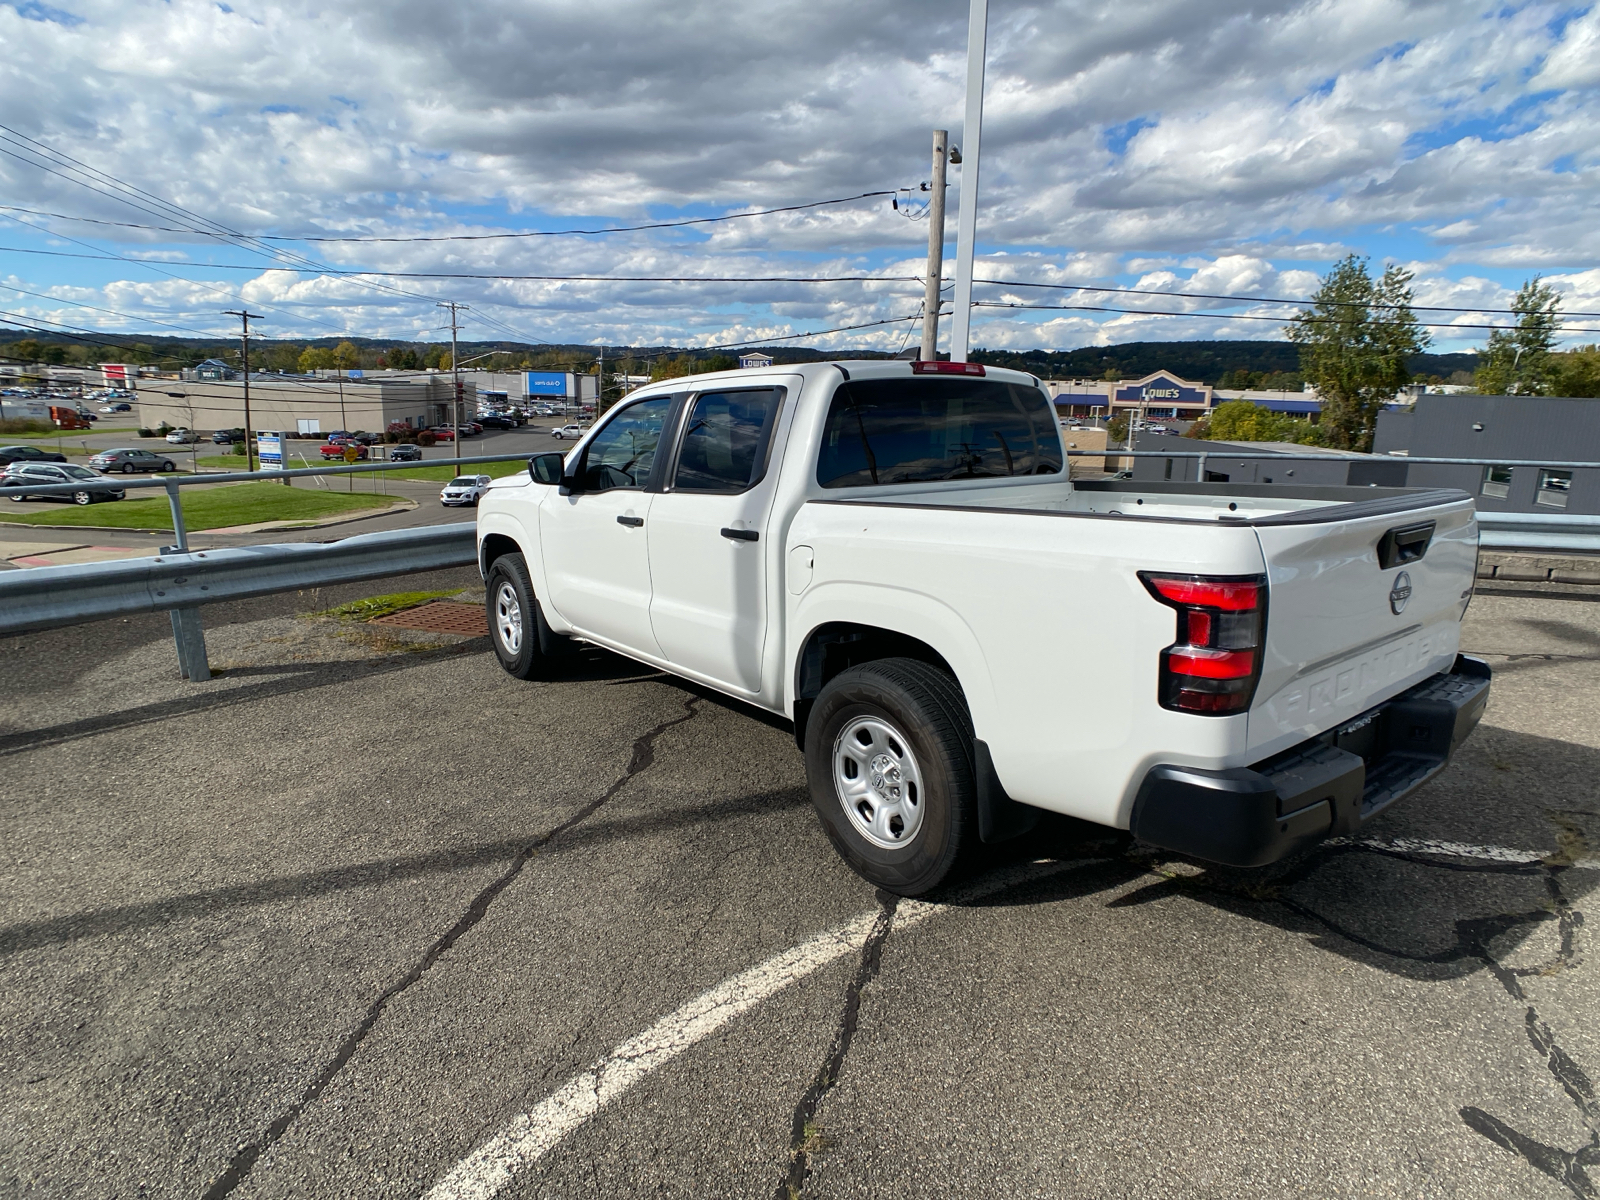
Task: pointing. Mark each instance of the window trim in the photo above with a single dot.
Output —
(669, 483)
(1488, 481)
(1541, 489)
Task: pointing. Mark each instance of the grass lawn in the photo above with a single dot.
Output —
(445, 474)
(383, 606)
(66, 435)
(213, 508)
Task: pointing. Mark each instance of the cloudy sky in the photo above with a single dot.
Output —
(1224, 147)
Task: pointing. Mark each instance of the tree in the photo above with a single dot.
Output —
(1517, 361)
(1575, 372)
(402, 358)
(316, 358)
(277, 356)
(1354, 341)
(437, 357)
(346, 357)
(1246, 421)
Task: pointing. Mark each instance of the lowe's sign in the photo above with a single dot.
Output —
(548, 383)
(1163, 391)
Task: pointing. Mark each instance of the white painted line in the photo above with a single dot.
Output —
(529, 1136)
(1503, 854)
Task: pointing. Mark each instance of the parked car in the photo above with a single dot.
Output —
(92, 486)
(183, 437)
(405, 452)
(116, 408)
(28, 454)
(337, 449)
(1267, 670)
(365, 438)
(444, 433)
(464, 489)
(226, 437)
(495, 421)
(128, 460)
(568, 433)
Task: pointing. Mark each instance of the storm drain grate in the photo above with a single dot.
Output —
(440, 616)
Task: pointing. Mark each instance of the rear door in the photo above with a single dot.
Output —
(1359, 609)
(709, 539)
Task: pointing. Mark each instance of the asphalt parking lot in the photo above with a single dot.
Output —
(365, 917)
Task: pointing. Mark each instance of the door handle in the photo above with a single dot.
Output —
(630, 522)
(742, 535)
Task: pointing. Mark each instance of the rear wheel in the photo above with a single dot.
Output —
(523, 642)
(166, 465)
(81, 497)
(889, 762)
(127, 468)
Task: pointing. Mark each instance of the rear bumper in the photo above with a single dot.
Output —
(1329, 785)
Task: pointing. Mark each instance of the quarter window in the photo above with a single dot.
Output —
(725, 440)
(919, 430)
(1554, 486)
(1497, 482)
(623, 451)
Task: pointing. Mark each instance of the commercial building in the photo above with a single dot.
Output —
(307, 406)
(1549, 429)
(1267, 462)
(1158, 396)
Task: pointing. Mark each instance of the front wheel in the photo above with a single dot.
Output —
(167, 466)
(81, 497)
(17, 498)
(889, 763)
(523, 642)
(127, 468)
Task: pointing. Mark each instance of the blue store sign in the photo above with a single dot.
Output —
(1162, 391)
(547, 383)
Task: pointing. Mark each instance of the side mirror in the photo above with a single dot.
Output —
(545, 468)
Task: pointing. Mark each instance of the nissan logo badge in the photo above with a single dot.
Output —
(1400, 593)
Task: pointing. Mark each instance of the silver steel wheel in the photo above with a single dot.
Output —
(508, 618)
(878, 783)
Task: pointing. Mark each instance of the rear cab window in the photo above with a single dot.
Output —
(924, 430)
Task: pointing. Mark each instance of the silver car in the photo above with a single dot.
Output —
(129, 461)
(93, 486)
(464, 489)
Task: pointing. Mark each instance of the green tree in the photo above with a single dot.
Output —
(1246, 421)
(437, 357)
(1354, 341)
(277, 356)
(346, 356)
(316, 358)
(1517, 361)
(402, 358)
(1575, 372)
(27, 350)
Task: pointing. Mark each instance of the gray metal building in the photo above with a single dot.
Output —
(1224, 464)
(1538, 428)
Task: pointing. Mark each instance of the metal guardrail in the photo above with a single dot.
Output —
(181, 581)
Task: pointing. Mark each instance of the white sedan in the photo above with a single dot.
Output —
(464, 489)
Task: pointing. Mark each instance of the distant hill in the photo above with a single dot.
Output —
(1202, 362)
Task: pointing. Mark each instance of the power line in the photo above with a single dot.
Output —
(1151, 312)
(111, 311)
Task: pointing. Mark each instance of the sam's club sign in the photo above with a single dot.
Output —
(549, 383)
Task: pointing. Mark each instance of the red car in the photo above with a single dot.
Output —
(337, 449)
(444, 433)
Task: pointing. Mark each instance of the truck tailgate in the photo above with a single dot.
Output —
(1344, 630)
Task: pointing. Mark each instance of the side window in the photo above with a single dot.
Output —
(1497, 482)
(725, 440)
(622, 453)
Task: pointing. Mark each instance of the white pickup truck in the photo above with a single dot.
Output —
(892, 556)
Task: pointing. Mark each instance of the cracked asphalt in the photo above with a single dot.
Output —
(323, 926)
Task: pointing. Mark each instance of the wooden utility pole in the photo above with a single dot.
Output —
(930, 303)
(244, 340)
(455, 374)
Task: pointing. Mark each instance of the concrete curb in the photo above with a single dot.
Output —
(1539, 568)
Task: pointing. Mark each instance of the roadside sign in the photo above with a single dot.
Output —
(270, 450)
(351, 454)
(548, 383)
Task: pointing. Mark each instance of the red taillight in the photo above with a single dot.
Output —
(929, 367)
(1214, 665)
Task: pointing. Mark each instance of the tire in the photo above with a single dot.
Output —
(534, 649)
(82, 498)
(127, 468)
(17, 498)
(912, 717)
(167, 466)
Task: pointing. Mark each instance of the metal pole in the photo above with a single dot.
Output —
(600, 385)
(967, 220)
(930, 303)
(455, 378)
(188, 634)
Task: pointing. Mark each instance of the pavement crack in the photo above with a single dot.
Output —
(243, 1162)
(804, 1137)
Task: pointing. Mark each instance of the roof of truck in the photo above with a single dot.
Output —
(853, 368)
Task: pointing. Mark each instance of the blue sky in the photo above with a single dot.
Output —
(1234, 148)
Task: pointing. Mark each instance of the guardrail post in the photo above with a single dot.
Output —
(187, 631)
(1200, 469)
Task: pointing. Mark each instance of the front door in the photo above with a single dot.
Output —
(596, 557)
(709, 545)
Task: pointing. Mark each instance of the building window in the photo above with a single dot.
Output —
(1497, 482)
(1553, 487)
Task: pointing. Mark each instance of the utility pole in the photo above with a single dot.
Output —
(244, 339)
(930, 303)
(967, 222)
(600, 386)
(455, 373)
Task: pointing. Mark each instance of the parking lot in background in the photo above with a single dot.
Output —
(366, 917)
